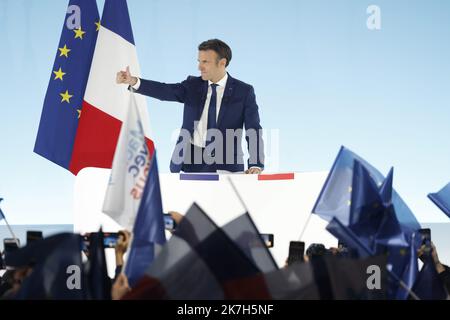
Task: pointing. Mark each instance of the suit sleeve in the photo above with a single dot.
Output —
(163, 91)
(253, 131)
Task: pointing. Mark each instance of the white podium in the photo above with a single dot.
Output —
(277, 206)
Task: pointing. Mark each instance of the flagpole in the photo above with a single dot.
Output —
(403, 285)
(237, 194)
(304, 227)
(130, 241)
(9, 227)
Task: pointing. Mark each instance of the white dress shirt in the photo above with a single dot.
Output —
(199, 138)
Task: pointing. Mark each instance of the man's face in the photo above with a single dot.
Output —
(209, 67)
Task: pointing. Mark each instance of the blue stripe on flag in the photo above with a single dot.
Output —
(116, 19)
(199, 177)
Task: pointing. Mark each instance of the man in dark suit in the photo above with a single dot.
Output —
(216, 108)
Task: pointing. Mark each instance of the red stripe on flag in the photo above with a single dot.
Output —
(276, 176)
(96, 140)
(147, 288)
(253, 287)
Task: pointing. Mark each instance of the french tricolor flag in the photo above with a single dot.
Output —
(81, 129)
(105, 102)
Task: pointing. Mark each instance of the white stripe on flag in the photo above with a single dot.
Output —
(112, 54)
(129, 171)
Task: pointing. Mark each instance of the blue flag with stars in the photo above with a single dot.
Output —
(373, 227)
(335, 198)
(63, 100)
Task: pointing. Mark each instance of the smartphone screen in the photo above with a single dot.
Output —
(426, 239)
(296, 251)
(268, 239)
(426, 235)
(169, 223)
(110, 239)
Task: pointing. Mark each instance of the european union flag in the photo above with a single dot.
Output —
(389, 232)
(148, 228)
(372, 215)
(366, 208)
(410, 271)
(346, 235)
(374, 228)
(63, 100)
(386, 188)
(442, 199)
(335, 198)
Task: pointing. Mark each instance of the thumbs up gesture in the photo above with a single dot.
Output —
(126, 77)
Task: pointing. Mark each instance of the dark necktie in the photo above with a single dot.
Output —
(212, 113)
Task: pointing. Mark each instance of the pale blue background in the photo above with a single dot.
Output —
(321, 77)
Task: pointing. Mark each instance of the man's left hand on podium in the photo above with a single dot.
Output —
(253, 170)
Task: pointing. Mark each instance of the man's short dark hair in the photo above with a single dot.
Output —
(220, 47)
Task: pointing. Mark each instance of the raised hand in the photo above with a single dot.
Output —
(126, 77)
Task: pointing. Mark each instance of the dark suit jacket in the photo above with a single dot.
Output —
(238, 109)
